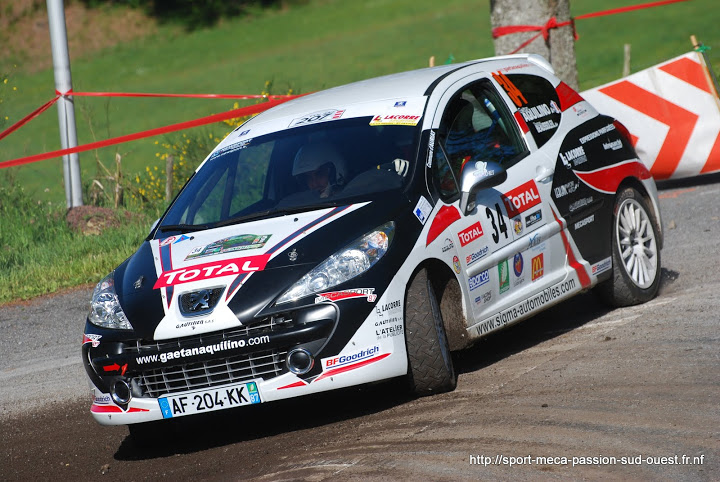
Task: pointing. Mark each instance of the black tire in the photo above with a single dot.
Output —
(635, 253)
(430, 367)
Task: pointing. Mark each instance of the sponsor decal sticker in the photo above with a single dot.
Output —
(478, 280)
(581, 203)
(534, 240)
(537, 265)
(422, 210)
(545, 125)
(481, 170)
(597, 133)
(614, 145)
(343, 360)
(193, 323)
(456, 264)
(533, 218)
(573, 157)
(448, 245)
(518, 225)
(584, 222)
(91, 338)
(103, 399)
(472, 258)
(518, 263)
(503, 277)
(395, 119)
(400, 103)
(470, 234)
(539, 111)
(601, 266)
(205, 271)
(565, 189)
(431, 150)
(174, 240)
(240, 242)
(325, 115)
(521, 198)
(368, 293)
(483, 299)
(209, 349)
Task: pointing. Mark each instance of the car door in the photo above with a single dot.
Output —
(509, 242)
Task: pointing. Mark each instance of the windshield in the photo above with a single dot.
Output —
(296, 169)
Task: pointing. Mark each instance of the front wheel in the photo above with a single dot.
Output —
(635, 253)
(430, 368)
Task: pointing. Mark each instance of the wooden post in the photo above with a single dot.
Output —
(169, 178)
(707, 69)
(626, 61)
(118, 179)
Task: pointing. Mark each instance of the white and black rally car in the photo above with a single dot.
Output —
(364, 232)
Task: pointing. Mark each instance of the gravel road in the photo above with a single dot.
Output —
(567, 394)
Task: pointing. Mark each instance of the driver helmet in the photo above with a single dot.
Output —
(314, 155)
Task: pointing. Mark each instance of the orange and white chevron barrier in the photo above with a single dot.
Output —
(672, 111)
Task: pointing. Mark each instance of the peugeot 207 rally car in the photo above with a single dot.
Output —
(364, 232)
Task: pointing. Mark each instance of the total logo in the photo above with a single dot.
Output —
(521, 198)
(470, 234)
(211, 270)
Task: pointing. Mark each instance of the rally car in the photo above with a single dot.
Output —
(364, 232)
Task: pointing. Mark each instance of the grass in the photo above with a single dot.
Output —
(40, 253)
(307, 47)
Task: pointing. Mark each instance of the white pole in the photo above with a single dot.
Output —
(66, 106)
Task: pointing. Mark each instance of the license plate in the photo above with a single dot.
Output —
(208, 400)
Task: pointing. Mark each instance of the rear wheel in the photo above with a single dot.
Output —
(430, 368)
(635, 253)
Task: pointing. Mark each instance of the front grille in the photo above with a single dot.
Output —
(163, 381)
(265, 364)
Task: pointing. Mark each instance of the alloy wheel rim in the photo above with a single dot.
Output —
(637, 244)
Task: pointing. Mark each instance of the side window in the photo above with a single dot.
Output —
(476, 126)
(541, 110)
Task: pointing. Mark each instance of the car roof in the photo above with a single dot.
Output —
(410, 84)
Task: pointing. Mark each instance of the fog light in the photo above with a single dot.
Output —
(120, 392)
(300, 361)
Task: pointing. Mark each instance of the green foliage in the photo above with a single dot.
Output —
(193, 14)
(39, 253)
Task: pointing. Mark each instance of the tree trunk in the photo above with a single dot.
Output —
(559, 49)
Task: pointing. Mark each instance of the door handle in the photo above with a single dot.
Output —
(544, 174)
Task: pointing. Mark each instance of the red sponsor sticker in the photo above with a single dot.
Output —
(470, 234)
(521, 198)
(538, 266)
(216, 269)
(368, 293)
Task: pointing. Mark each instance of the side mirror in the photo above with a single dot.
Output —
(476, 176)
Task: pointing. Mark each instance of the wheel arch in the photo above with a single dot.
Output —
(450, 297)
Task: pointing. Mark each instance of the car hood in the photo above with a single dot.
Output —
(222, 278)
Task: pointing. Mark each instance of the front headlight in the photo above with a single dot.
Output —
(105, 309)
(349, 262)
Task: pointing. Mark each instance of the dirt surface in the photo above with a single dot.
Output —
(581, 385)
(25, 33)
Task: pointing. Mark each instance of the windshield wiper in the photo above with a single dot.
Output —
(244, 217)
(273, 213)
(183, 228)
